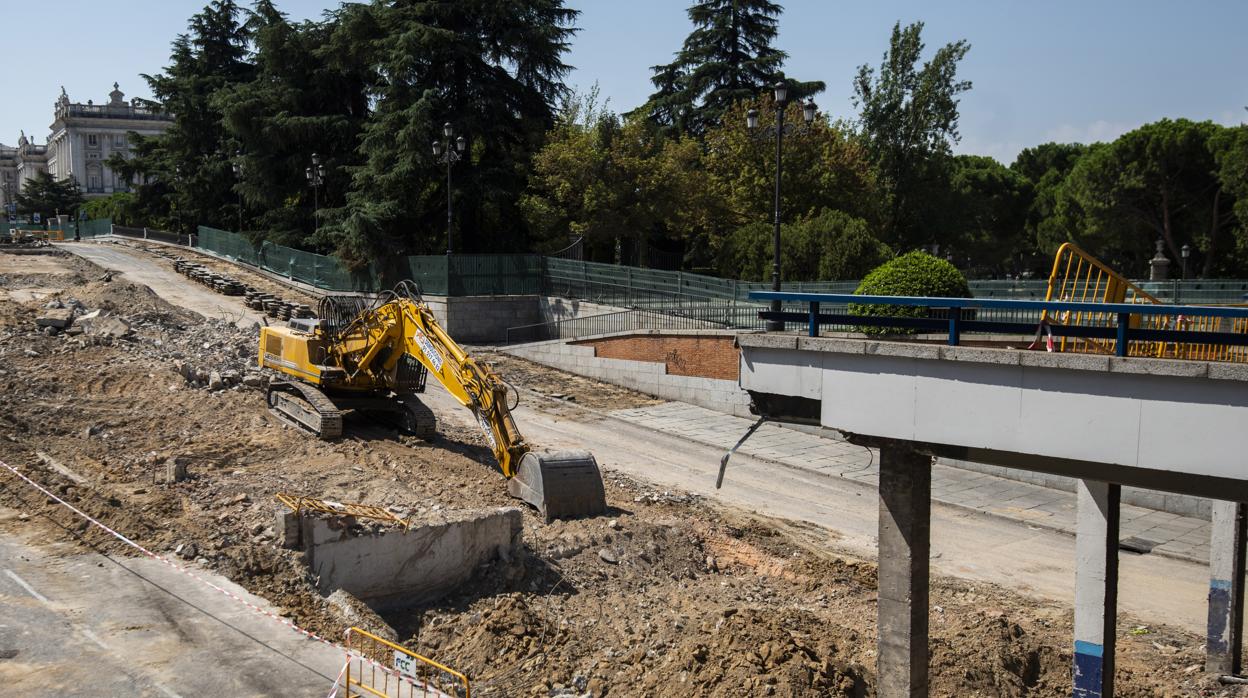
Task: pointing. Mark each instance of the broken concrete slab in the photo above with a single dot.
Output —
(389, 566)
(60, 318)
(105, 326)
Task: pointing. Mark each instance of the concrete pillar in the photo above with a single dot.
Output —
(1224, 637)
(904, 549)
(1096, 588)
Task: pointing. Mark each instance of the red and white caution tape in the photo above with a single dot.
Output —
(1048, 331)
(333, 693)
(306, 633)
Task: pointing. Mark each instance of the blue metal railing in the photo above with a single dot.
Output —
(959, 318)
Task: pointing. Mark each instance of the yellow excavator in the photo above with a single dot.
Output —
(374, 356)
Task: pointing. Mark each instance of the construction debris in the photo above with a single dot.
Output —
(58, 318)
(701, 599)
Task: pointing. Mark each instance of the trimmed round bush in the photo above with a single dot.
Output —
(912, 274)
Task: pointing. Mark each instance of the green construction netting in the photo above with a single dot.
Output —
(308, 267)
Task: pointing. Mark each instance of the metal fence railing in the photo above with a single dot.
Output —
(707, 317)
(1209, 333)
(154, 234)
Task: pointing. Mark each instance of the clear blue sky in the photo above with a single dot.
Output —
(1060, 70)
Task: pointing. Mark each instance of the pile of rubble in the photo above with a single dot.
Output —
(72, 319)
(209, 353)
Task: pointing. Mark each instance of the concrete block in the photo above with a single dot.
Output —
(1076, 362)
(981, 355)
(395, 567)
(1224, 637)
(904, 562)
(1227, 371)
(903, 350)
(832, 344)
(1096, 589)
(60, 318)
(1158, 367)
(768, 341)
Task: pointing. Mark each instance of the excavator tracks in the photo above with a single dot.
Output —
(417, 419)
(305, 407)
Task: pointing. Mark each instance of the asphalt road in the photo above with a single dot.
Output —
(83, 624)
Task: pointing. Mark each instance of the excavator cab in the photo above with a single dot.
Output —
(374, 355)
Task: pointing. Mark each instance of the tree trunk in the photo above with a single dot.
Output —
(1214, 226)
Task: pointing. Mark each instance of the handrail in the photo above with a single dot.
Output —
(1004, 303)
(1126, 328)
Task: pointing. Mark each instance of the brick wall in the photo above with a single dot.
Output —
(698, 357)
(650, 375)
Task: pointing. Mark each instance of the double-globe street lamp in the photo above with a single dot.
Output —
(781, 94)
(316, 177)
(448, 156)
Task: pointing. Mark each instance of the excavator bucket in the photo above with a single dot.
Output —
(560, 485)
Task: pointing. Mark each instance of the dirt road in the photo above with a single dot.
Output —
(157, 275)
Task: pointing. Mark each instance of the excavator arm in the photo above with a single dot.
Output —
(559, 484)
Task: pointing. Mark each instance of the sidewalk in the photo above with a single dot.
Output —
(1174, 536)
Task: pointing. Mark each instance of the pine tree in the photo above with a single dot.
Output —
(187, 171)
(48, 197)
(726, 59)
(494, 70)
(306, 97)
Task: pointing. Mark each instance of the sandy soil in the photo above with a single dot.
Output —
(668, 595)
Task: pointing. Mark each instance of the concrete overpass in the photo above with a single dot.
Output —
(1107, 420)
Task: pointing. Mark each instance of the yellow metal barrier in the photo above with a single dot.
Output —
(56, 235)
(382, 669)
(1078, 276)
(359, 511)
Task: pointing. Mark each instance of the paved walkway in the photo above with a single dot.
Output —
(1175, 536)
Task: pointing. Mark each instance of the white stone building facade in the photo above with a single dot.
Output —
(82, 138)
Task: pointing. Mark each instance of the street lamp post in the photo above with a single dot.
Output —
(1184, 253)
(316, 177)
(449, 155)
(238, 175)
(781, 94)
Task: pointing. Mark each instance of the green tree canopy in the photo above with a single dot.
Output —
(48, 197)
(825, 167)
(909, 118)
(307, 97)
(1159, 181)
(185, 175)
(727, 58)
(493, 69)
(612, 181)
(826, 246)
(985, 225)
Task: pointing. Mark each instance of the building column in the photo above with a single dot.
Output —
(1224, 637)
(904, 550)
(1096, 588)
